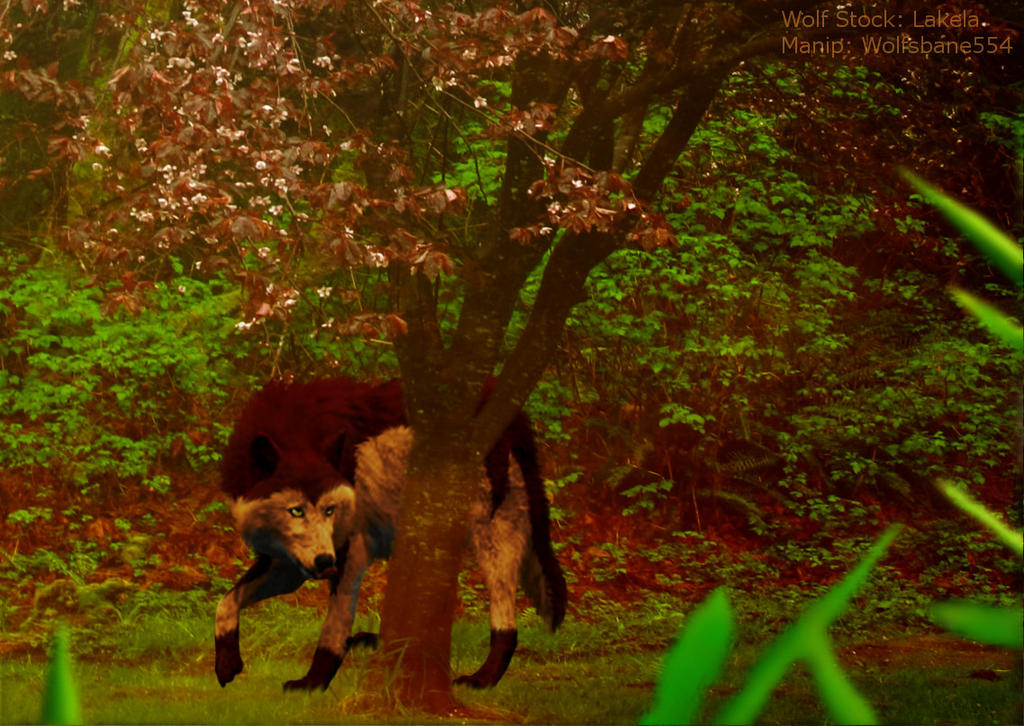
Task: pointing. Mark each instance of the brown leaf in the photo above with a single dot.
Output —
(395, 325)
(245, 227)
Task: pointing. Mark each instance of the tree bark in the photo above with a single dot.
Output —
(420, 597)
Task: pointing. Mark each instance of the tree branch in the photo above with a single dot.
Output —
(562, 287)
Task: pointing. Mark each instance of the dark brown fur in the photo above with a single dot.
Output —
(322, 420)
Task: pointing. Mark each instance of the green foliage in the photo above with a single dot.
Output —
(646, 496)
(983, 623)
(547, 407)
(1001, 326)
(29, 515)
(1005, 254)
(1012, 539)
(693, 663)
(82, 561)
(705, 641)
(756, 328)
(60, 698)
(995, 244)
(808, 639)
(105, 395)
(990, 625)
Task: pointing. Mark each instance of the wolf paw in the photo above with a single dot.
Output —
(306, 683)
(475, 681)
(228, 658)
(503, 645)
(229, 665)
(325, 665)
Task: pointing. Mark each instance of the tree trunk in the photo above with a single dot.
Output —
(419, 601)
(442, 379)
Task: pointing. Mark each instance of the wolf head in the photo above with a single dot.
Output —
(298, 500)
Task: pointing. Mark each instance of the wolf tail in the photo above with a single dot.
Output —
(549, 596)
(545, 588)
(534, 585)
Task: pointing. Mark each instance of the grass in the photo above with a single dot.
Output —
(177, 685)
(599, 672)
(908, 693)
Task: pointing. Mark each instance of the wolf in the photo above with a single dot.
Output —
(314, 472)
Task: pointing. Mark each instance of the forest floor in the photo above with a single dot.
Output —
(914, 678)
(137, 576)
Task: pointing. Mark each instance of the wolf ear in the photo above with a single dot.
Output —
(264, 455)
(339, 454)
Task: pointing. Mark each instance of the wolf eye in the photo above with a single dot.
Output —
(329, 511)
(296, 512)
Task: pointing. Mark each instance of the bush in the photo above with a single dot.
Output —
(104, 395)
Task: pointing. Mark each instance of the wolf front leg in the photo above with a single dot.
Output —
(334, 641)
(266, 578)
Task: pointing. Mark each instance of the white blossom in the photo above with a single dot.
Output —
(179, 62)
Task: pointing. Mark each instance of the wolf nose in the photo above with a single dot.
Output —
(323, 562)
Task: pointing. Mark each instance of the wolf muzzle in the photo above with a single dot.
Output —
(324, 566)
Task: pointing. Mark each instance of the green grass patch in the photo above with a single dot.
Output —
(601, 670)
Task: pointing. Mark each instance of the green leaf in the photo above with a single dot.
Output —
(1010, 537)
(693, 663)
(995, 244)
(841, 698)
(983, 623)
(831, 606)
(1000, 325)
(806, 638)
(60, 700)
